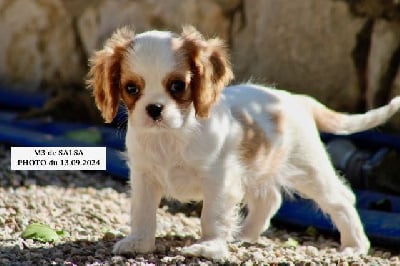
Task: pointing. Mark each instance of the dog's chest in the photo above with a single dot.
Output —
(172, 162)
(179, 177)
(183, 182)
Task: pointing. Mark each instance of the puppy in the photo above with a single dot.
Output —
(190, 138)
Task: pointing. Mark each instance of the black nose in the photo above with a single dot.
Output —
(154, 111)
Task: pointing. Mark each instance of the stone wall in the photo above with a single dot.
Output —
(345, 53)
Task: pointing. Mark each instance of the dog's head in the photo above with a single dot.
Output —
(160, 76)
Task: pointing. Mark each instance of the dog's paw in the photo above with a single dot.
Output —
(356, 246)
(132, 244)
(353, 251)
(246, 237)
(214, 249)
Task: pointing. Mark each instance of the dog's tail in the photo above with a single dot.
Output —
(330, 121)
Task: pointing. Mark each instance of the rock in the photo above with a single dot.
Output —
(385, 41)
(395, 91)
(109, 236)
(303, 46)
(34, 51)
(229, 5)
(384, 74)
(207, 16)
(311, 251)
(97, 23)
(388, 9)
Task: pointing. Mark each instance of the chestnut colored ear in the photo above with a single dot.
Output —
(105, 71)
(210, 67)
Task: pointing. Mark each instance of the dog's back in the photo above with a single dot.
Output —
(258, 101)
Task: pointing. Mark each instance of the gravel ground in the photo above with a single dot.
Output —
(92, 209)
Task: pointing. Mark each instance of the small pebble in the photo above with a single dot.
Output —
(386, 255)
(109, 236)
(311, 251)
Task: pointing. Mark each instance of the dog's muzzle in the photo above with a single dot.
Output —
(154, 111)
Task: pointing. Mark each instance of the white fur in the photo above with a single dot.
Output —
(191, 158)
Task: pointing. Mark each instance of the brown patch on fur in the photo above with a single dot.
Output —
(105, 70)
(259, 151)
(134, 79)
(277, 119)
(254, 141)
(209, 66)
(184, 98)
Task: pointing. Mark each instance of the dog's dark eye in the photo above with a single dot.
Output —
(177, 87)
(132, 89)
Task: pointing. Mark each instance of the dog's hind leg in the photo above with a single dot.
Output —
(261, 208)
(337, 200)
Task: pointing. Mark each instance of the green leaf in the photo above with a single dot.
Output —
(41, 232)
(90, 135)
(290, 243)
(60, 233)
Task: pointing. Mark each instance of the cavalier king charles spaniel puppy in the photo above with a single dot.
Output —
(190, 137)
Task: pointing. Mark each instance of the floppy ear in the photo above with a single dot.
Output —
(210, 68)
(105, 73)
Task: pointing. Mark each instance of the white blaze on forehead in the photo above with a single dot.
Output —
(153, 57)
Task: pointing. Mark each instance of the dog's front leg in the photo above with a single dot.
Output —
(219, 215)
(145, 198)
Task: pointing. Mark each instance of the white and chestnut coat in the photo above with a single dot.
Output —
(191, 138)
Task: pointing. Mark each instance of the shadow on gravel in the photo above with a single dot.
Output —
(85, 252)
(64, 179)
